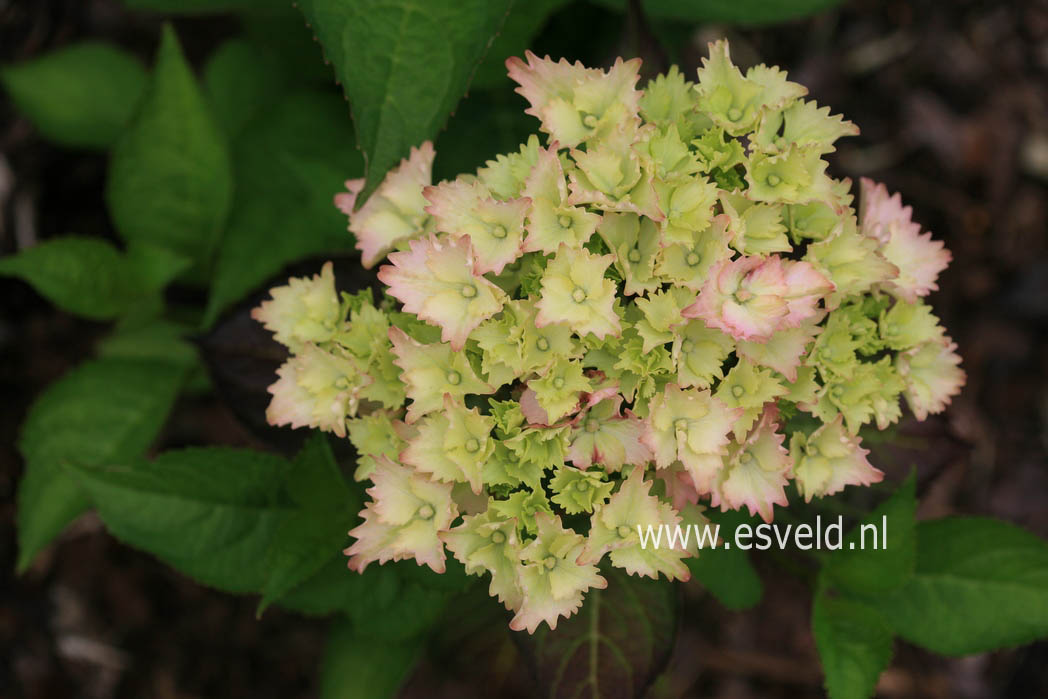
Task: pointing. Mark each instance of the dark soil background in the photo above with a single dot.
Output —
(952, 100)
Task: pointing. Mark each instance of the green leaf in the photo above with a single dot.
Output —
(240, 79)
(203, 6)
(618, 642)
(156, 265)
(86, 276)
(854, 645)
(727, 573)
(81, 95)
(309, 538)
(170, 181)
(746, 12)
(485, 123)
(289, 164)
(151, 339)
(871, 571)
(523, 22)
(403, 65)
(357, 666)
(283, 33)
(979, 584)
(209, 513)
(104, 410)
(394, 601)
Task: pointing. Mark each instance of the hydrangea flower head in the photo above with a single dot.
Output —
(662, 302)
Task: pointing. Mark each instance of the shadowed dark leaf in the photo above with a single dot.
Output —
(614, 647)
(242, 357)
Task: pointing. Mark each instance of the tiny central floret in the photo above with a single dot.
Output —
(578, 294)
(623, 531)
(498, 231)
(542, 344)
(693, 258)
(453, 377)
(468, 291)
(425, 512)
(472, 445)
(565, 221)
(550, 562)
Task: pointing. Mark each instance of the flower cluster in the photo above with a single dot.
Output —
(619, 321)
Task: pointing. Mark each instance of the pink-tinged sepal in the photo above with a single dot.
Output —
(756, 472)
(306, 310)
(605, 436)
(404, 520)
(494, 227)
(436, 279)
(395, 211)
(614, 531)
(918, 257)
(829, 459)
(317, 388)
(932, 374)
(574, 103)
(693, 427)
(751, 298)
(432, 371)
(551, 581)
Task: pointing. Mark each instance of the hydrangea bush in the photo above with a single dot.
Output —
(661, 304)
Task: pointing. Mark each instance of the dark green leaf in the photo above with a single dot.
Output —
(979, 584)
(404, 65)
(242, 359)
(394, 601)
(310, 537)
(170, 181)
(870, 563)
(152, 339)
(87, 276)
(290, 162)
(104, 410)
(524, 21)
(156, 265)
(210, 513)
(240, 79)
(746, 12)
(303, 543)
(357, 666)
(204, 6)
(316, 482)
(81, 95)
(486, 123)
(283, 33)
(616, 644)
(854, 646)
(727, 573)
